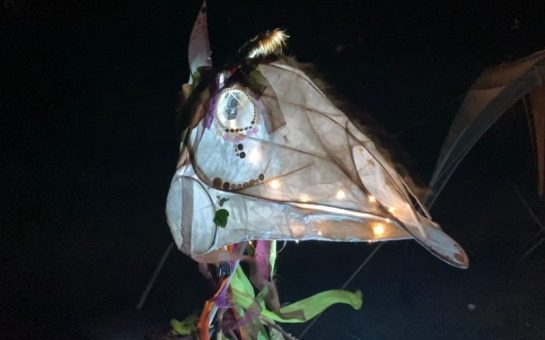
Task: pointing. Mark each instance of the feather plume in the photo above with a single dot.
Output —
(265, 44)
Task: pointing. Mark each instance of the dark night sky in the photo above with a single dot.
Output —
(89, 145)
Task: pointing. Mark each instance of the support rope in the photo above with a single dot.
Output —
(346, 283)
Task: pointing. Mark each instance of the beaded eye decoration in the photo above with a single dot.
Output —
(236, 114)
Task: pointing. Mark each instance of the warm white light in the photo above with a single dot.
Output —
(304, 198)
(372, 199)
(378, 229)
(340, 195)
(275, 184)
(391, 209)
(320, 232)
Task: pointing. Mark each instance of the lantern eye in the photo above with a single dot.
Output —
(235, 111)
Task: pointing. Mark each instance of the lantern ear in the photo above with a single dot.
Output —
(199, 53)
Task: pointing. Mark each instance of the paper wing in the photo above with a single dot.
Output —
(492, 94)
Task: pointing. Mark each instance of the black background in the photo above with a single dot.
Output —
(89, 144)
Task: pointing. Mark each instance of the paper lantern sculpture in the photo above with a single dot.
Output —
(267, 156)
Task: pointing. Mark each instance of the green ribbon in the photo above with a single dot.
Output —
(243, 296)
(186, 326)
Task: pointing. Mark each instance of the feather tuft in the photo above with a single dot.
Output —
(265, 44)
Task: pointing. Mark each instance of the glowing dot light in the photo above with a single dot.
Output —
(391, 209)
(378, 229)
(340, 195)
(296, 241)
(320, 232)
(304, 198)
(275, 184)
(372, 199)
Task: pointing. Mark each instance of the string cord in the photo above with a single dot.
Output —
(429, 115)
(346, 283)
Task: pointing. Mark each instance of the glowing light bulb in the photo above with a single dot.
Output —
(320, 232)
(296, 241)
(275, 184)
(372, 199)
(378, 229)
(340, 195)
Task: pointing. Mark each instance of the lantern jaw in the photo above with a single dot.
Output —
(252, 218)
(286, 164)
(192, 205)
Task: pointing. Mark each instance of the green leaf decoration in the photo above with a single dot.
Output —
(220, 219)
